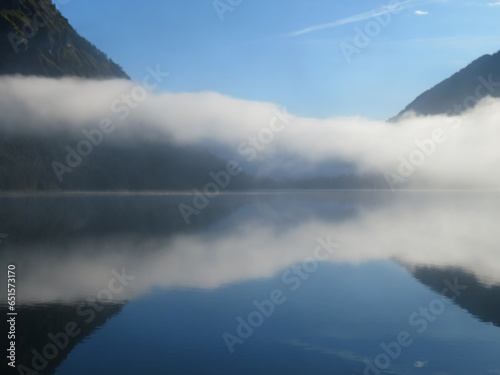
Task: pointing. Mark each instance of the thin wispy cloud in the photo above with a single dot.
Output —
(356, 18)
(494, 4)
(421, 13)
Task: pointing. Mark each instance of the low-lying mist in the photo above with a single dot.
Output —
(433, 151)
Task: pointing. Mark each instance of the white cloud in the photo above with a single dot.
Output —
(443, 227)
(396, 7)
(465, 159)
(494, 4)
(421, 12)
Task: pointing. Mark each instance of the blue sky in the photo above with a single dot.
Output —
(252, 53)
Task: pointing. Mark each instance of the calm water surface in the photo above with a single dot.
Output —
(291, 283)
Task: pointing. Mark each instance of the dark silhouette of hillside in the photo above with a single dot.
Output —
(461, 91)
(37, 40)
(480, 300)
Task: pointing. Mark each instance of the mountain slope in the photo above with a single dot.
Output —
(460, 91)
(37, 40)
(480, 300)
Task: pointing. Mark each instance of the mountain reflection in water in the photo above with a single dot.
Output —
(189, 284)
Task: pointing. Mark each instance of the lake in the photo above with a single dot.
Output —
(327, 282)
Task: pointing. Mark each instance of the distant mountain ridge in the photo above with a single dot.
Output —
(461, 91)
(37, 40)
